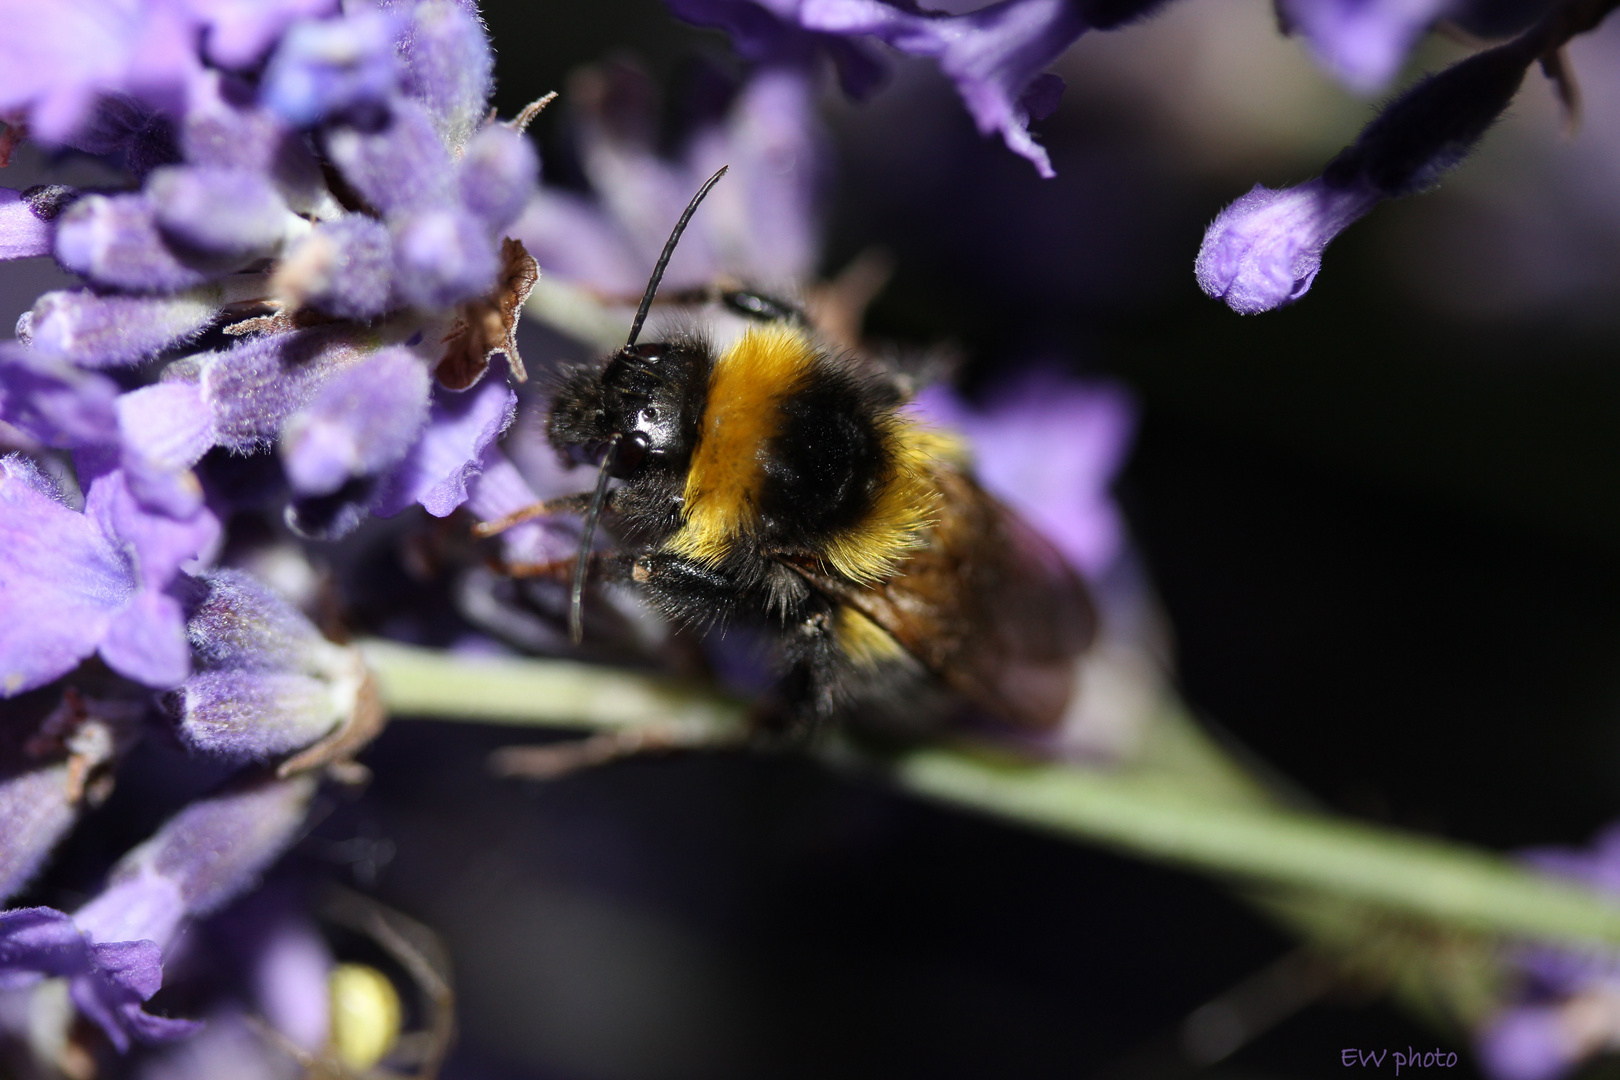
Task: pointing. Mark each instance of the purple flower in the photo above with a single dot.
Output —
(77, 583)
(111, 949)
(1265, 249)
(1567, 1005)
(994, 55)
(1362, 43)
(48, 772)
(95, 331)
(26, 219)
(768, 32)
(1050, 446)
(461, 428)
(267, 683)
(758, 225)
(342, 68)
(361, 421)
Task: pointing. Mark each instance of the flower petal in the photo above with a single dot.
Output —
(362, 421)
(147, 641)
(992, 55)
(61, 581)
(461, 426)
(106, 331)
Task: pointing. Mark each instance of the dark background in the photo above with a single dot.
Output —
(1384, 536)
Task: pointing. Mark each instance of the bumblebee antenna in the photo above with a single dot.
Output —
(576, 590)
(669, 250)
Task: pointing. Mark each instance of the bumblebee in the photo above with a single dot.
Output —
(782, 484)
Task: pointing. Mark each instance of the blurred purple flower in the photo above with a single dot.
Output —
(993, 55)
(1050, 446)
(759, 225)
(1362, 43)
(334, 68)
(1567, 1006)
(111, 948)
(768, 32)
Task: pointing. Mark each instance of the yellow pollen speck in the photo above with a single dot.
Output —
(365, 1015)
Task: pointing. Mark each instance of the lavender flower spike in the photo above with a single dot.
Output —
(1265, 249)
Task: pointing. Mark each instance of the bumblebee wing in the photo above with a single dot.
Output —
(989, 606)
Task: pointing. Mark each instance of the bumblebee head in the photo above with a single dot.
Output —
(649, 395)
(638, 410)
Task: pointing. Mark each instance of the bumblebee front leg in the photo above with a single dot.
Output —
(577, 503)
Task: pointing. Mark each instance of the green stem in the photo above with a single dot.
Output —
(1146, 813)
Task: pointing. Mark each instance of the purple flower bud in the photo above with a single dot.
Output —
(25, 221)
(443, 256)
(462, 425)
(233, 214)
(449, 67)
(37, 807)
(360, 422)
(241, 33)
(334, 69)
(499, 171)
(1265, 249)
(253, 387)
(113, 240)
(107, 331)
(268, 682)
(344, 268)
(224, 132)
(206, 855)
(400, 167)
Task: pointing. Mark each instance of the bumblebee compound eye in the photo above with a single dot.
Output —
(631, 456)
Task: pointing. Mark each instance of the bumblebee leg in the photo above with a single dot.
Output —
(560, 759)
(604, 566)
(565, 504)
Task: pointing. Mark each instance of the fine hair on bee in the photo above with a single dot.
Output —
(781, 483)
